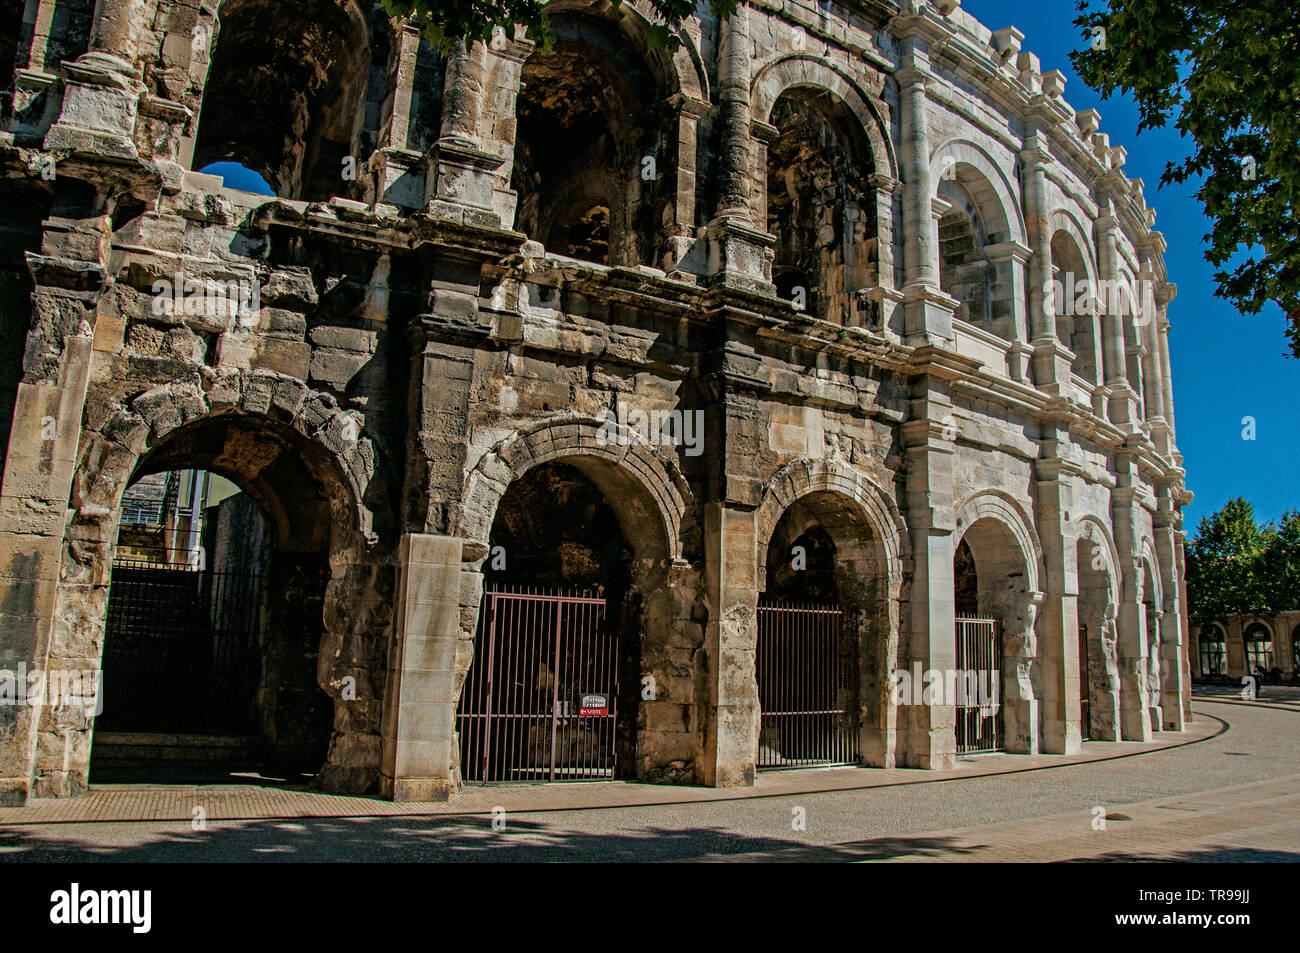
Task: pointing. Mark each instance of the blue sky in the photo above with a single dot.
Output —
(1226, 365)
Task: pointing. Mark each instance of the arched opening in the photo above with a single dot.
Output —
(587, 146)
(995, 659)
(964, 271)
(1153, 614)
(1076, 320)
(1259, 648)
(11, 34)
(819, 205)
(285, 95)
(1295, 652)
(240, 177)
(216, 608)
(552, 692)
(1213, 651)
(1099, 718)
(824, 651)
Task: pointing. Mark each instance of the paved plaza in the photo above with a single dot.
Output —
(1225, 789)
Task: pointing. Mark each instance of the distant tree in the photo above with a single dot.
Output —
(1227, 73)
(1229, 563)
(445, 21)
(1281, 564)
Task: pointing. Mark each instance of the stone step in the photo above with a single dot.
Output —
(124, 749)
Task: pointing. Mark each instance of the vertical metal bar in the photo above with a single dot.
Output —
(487, 681)
(555, 700)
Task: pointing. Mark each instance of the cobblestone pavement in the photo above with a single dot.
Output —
(1226, 795)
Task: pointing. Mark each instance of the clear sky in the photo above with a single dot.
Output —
(1226, 365)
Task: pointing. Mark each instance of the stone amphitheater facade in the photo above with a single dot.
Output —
(838, 233)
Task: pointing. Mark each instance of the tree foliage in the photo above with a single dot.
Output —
(442, 22)
(1227, 74)
(1235, 565)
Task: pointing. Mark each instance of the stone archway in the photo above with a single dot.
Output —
(1006, 558)
(309, 467)
(648, 497)
(865, 545)
(1097, 608)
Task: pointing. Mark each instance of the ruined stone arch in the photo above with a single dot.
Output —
(112, 452)
(681, 71)
(309, 467)
(826, 168)
(591, 112)
(647, 491)
(1151, 563)
(777, 77)
(285, 99)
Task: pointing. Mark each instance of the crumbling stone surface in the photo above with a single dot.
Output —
(484, 273)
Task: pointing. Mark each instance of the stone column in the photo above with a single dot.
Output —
(420, 761)
(102, 88)
(1173, 644)
(730, 644)
(739, 247)
(1010, 260)
(926, 737)
(394, 161)
(1053, 366)
(1058, 625)
(681, 236)
(927, 310)
(1130, 618)
(44, 751)
(734, 118)
(1123, 400)
(461, 178)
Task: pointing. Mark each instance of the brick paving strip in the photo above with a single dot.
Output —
(146, 803)
(1242, 822)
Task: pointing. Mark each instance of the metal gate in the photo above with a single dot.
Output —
(1085, 686)
(807, 668)
(979, 665)
(181, 651)
(540, 700)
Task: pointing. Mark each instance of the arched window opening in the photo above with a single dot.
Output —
(1214, 651)
(1259, 648)
(965, 273)
(239, 177)
(1073, 301)
(818, 206)
(286, 97)
(585, 169)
